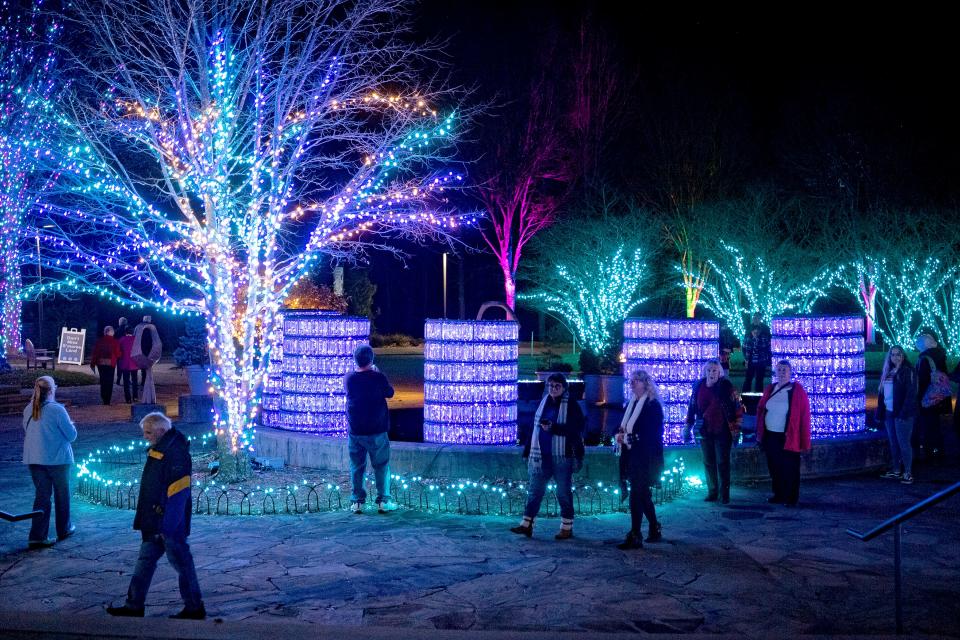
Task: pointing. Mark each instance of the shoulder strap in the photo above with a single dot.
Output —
(933, 365)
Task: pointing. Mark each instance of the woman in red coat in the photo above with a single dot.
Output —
(103, 360)
(783, 431)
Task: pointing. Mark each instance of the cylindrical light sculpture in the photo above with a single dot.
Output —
(470, 381)
(673, 353)
(826, 354)
(305, 390)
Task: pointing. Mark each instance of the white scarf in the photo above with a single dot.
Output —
(632, 413)
(559, 448)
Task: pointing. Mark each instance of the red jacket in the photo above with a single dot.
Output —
(106, 348)
(798, 418)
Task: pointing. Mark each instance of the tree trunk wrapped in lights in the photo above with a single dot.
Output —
(27, 84)
(223, 148)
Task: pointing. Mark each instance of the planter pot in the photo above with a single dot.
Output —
(600, 389)
(198, 378)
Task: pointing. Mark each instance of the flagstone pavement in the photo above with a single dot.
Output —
(748, 569)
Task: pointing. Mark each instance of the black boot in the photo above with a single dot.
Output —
(632, 541)
(656, 532)
(125, 612)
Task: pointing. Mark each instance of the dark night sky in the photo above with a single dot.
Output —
(790, 82)
(795, 85)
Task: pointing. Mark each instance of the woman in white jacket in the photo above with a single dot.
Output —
(48, 432)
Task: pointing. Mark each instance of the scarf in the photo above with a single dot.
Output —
(559, 443)
(633, 411)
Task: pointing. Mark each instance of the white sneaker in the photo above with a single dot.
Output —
(356, 507)
(386, 507)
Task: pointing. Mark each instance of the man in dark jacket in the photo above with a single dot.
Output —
(756, 354)
(163, 519)
(927, 435)
(367, 393)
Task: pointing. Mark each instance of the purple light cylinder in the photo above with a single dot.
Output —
(827, 357)
(304, 390)
(470, 381)
(673, 353)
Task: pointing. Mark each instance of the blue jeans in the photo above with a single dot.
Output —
(50, 479)
(378, 448)
(563, 475)
(180, 558)
(899, 432)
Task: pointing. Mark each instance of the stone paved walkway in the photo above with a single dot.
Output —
(747, 569)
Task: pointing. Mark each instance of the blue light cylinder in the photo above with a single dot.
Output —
(827, 357)
(673, 352)
(470, 381)
(304, 389)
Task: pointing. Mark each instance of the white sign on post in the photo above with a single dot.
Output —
(71, 346)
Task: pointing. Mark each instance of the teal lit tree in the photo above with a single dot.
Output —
(742, 286)
(755, 255)
(904, 278)
(591, 270)
(912, 295)
(217, 149)
(27, 84)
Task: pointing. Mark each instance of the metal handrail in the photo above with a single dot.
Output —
(17, 517)
(894, 523)
(905, 515)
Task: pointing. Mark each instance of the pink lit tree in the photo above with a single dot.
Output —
(522, 194)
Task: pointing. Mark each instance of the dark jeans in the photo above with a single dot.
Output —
(899, 431)
(180, 558)
(106, 382)
(53, 479)
(562, 473)
(130, 377)
(378, 448)
(784, 467)
(716, 462)
(756, 372)
(641, 504)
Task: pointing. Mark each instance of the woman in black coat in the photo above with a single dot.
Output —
(640, 440)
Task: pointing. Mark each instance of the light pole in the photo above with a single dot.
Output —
(444, 285)
(39, 297)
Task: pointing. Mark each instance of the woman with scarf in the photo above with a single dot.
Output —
(554, 450)
(640, 439)
(783, 431)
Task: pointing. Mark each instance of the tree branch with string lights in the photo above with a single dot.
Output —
(219, 148)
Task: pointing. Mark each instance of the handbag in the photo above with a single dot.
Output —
(939, 389)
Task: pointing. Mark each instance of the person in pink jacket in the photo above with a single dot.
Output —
(126, 367)
(783, 431)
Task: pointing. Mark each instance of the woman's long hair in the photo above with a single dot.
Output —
(887, 366)
(653, 391)
(43, 388)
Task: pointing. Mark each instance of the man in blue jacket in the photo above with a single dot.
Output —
(163, 519)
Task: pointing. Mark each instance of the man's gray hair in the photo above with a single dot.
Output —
(156, 419)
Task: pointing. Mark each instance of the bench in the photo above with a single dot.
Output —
(37, 358)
